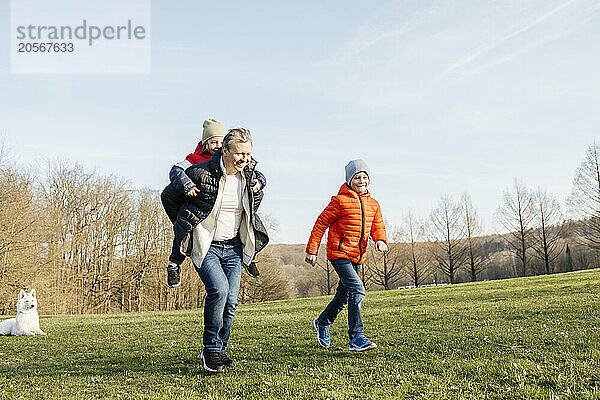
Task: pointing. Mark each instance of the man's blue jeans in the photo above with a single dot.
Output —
(221, 273)
(350, 291)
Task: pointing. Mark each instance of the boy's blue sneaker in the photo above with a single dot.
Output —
(322, 334)
(361, 343)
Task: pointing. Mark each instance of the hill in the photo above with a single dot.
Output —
(534, 337)
(497, 260)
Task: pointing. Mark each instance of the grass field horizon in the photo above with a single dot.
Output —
(533, 337)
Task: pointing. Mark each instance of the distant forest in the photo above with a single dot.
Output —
(91, 243)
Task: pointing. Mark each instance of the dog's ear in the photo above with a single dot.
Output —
(32, 293)
(22, 294)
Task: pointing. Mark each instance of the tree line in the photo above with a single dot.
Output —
(91, 243)
(541, 236)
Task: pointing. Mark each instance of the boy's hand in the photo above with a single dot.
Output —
(381, 246)
(311, 259)
(193, 192)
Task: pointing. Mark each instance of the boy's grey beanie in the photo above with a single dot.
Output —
(354, 167)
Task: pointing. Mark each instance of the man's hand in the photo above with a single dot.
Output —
(256, 186)
(311, 259)
(381, 246)
(193, 192)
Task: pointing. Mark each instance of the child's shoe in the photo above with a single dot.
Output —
(322, 334)
(361, 343)
(173, 275)
(252, 270)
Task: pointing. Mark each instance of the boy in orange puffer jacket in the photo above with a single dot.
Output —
(351, 217)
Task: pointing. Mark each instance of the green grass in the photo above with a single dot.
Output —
(522, 338)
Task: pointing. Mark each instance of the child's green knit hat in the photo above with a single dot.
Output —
(212, 128)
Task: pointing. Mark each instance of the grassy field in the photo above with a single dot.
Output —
(522, 338)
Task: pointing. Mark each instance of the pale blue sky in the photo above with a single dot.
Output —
(436, 96)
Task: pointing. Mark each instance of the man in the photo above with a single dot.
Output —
(226, 235)
(213, 133)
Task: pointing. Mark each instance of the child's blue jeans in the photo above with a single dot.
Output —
(350, 291)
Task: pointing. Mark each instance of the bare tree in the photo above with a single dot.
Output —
(86, 221)
(18, 235)
(142, 277)
(271, 284)
(516, 213)
(64, 196)
(329, 280)
(270, 222)
(447, 232)
(3, 148)
(569, 259)
(387, 266)
(418, 266)
(305, 286)
(474, 245)
(584, 201)
(548, 244)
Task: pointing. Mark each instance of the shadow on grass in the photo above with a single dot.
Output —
(35, 359)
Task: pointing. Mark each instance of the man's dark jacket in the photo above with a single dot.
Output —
(187, 212)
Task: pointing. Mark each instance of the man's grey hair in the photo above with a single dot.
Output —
(235, 136)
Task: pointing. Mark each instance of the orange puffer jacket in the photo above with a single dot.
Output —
(351, 219)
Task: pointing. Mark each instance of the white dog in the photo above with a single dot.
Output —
(27, 321)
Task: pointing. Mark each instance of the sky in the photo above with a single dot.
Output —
(438, 97)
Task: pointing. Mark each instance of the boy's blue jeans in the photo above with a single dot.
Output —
(221, 273)
(350, 291)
